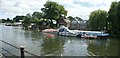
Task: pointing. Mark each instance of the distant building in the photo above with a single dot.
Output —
(64, 22)
(78, 24)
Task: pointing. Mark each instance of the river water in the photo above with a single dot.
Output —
(45, 44)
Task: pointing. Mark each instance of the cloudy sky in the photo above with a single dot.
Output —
(80, 8)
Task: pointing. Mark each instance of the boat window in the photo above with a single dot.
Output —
(81, 32)
(65, 30)
(61, 30)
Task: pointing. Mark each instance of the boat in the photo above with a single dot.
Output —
(64, 31)
(8, 24)
(48, 35)
(51, 31)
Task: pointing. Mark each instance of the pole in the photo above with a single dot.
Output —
(22, 51)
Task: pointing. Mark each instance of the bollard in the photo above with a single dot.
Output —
(22, 51)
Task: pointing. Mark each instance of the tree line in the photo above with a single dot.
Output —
(51, 11)
(98, 19)
(107, 21)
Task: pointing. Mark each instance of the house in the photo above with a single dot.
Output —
(63, 22)
(78, 24)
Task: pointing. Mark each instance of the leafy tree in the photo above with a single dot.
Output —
(78, 18)
(3, 20)
(27, 20)
(114, 19)
(98, 20)
(71, 18)
(37, 15)
(36, 21)
(53, 11)
(18, 18)
(29, 16)
(8, 20)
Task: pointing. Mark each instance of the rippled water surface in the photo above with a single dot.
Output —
(46, 44)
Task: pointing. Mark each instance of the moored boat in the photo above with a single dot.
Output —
(64, 31)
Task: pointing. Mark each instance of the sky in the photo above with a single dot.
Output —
(80, 8)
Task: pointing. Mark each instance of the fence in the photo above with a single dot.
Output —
(21, 49)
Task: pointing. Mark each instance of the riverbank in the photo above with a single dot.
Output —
(45, 29)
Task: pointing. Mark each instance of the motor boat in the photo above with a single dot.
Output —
(64, 31)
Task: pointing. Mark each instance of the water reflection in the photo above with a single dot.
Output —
(75, 47)
(51, 45)
(102, 47)
(48, 35)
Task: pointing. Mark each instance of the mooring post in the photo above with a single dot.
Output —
(22, 51)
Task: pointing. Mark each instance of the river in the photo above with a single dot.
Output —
(41, 44)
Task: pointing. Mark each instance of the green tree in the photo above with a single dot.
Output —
(8, 20)
(114, 19)
(71, 18)
(53, 11)
(98, 20)
(3, 20)
(36, 21)
(18, 18)
(37, 15)
(27, 20)
(29, 16)
(78, 18)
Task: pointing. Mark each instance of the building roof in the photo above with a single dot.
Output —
(67, 20)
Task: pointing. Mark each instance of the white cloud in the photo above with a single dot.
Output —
(81, 8)
(11, 8)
